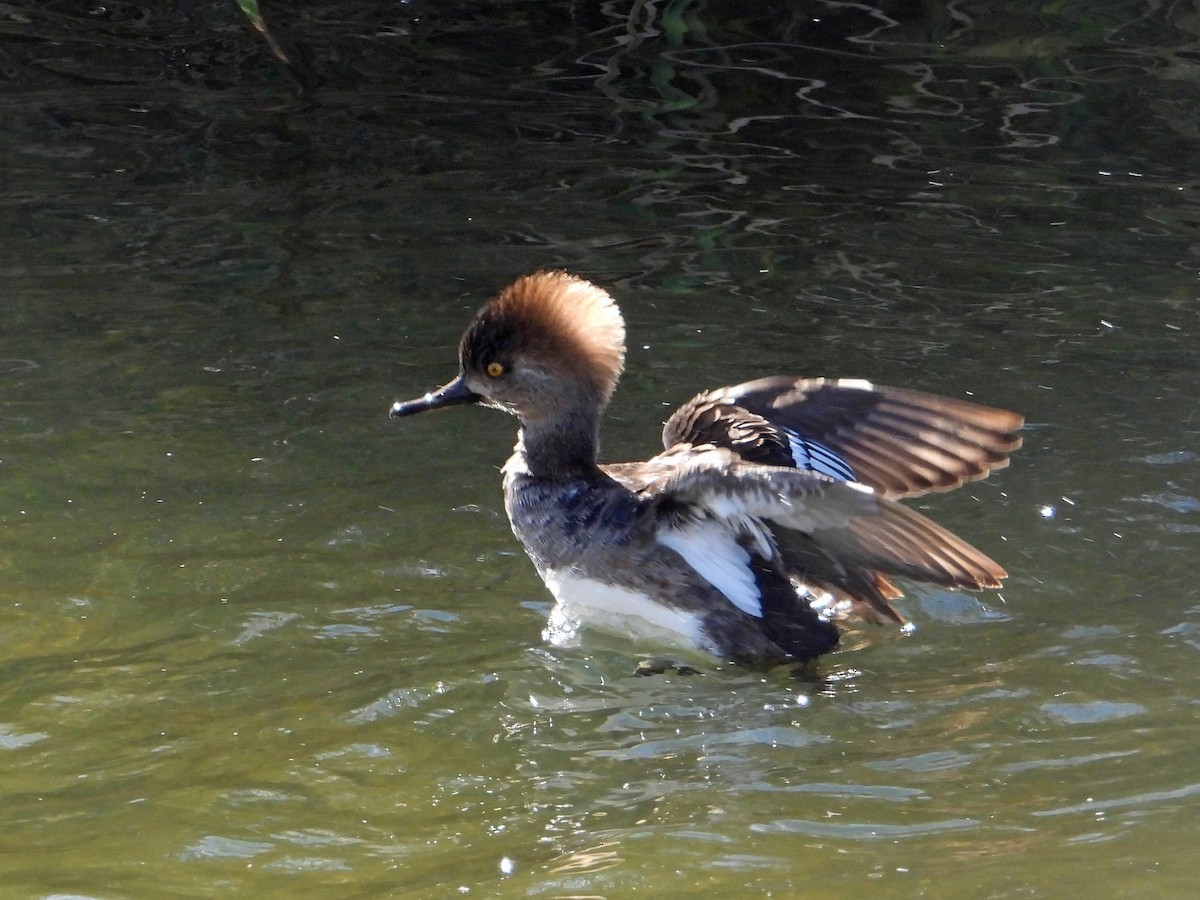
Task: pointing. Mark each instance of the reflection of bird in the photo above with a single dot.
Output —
(772, 505)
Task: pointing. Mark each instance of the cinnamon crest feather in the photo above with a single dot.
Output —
(557, 318)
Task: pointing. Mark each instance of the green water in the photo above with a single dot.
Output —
(257, 640)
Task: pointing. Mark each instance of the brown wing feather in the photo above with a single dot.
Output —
(835, 534)
(709, 419)
(902, 443)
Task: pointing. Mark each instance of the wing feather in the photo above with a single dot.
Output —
(902, 443)
(848, 521)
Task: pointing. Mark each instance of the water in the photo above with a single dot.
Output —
(259, 641)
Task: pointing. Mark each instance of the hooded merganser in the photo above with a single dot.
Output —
(772, 506)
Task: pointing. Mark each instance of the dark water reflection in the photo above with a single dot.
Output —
(259, 640)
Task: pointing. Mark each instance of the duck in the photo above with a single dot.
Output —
(772, 514)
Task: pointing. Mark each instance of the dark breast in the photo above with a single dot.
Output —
(571, 522)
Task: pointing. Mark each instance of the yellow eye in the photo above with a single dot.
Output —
(494, 369)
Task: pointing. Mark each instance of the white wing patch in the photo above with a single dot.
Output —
(711, 549)
(814, 457)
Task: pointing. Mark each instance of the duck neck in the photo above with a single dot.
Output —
(560, 447)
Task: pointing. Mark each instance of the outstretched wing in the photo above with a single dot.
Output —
(901, 443)
(840, 536)
(848, 520)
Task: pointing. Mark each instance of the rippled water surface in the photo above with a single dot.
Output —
(256, 640)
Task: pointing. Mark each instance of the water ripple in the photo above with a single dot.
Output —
(1150, 798)
(862, 830)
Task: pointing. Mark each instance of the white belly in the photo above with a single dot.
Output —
(583, 601)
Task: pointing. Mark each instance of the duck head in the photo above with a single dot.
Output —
(548, 346)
